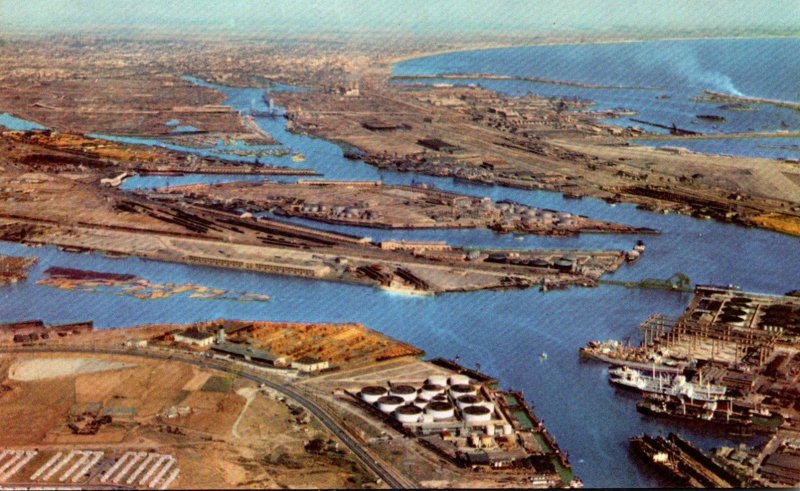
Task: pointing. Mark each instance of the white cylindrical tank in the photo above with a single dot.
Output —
(459, 390)
(468, 400)
(388, 404)
(437, 380)
(372, 393)
(440, 410)
(490, 430)
(405, 392)
(507, 429)
(420, 403)
(429, 391)
(439, 398)
(457, 379)
(477, 414)
(408, 414)
(427, 418)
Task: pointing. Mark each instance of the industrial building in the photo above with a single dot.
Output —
(194, 338)
(248, 353)
(308, 364)
(467, 422)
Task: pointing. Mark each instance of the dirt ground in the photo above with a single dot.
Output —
(41, 394)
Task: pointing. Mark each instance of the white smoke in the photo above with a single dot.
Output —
(690, 69)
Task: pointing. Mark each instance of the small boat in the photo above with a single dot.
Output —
(711, 117)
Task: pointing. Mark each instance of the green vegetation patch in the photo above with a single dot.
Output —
(218, 384)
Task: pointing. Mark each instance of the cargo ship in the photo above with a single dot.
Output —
(614, 353)
(718, 411)
(665, 384)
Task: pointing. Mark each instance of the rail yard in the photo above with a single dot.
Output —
(95, 216)
(373, 204)
(283, 404)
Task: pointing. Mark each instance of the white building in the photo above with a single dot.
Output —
(309, 364)
(136, 343)
(194, 338)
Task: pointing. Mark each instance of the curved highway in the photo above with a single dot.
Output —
(326, 420)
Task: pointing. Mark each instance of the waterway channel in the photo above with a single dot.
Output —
(503, 333)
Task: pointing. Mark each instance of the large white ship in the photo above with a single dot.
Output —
(665, 384)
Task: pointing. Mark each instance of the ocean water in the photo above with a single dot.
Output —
(504, 332)
(670, 75)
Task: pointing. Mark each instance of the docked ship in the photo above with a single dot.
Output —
(665, 384)
(269, 113)
(718, 411)
(615, 353)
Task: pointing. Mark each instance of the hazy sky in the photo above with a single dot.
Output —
(422, 16)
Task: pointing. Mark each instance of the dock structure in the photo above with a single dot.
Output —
(723, 324)
(682, 462)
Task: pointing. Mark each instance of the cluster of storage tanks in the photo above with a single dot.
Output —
(440, 398)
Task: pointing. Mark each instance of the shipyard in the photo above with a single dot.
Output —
(490, 246)
(730, 359)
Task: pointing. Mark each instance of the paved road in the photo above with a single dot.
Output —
(326, 420)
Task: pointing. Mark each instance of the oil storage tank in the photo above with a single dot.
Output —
(429, 391)
(457, 379)
(421, 403)
(441, 410)
(408, 413)
(437, 380)
(405, 392)
(372, 393)
(389, 404)
(459, 390)
(468, 400)
(477, 414)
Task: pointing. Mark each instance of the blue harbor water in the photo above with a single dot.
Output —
(13, 123)
(503, 331)
(667, 76)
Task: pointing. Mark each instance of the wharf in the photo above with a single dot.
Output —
(680, 461)
(673, 129)
(238, 170)
(720, 136)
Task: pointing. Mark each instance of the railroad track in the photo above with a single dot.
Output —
(370, 462)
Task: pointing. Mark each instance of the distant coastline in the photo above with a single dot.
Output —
(555, 42)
